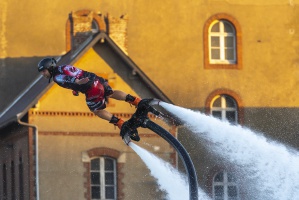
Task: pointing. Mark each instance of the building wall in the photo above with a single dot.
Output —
(172, 38)
(63, 174)
(15, 163)
(166, 40)
(152, 31)
(179, 26)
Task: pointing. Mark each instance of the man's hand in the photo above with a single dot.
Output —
(75, 93)
(82, 81)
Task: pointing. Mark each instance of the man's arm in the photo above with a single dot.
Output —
(64, 79)
(82, 81)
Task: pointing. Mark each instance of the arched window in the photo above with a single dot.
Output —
(222, 43)
(103, 173)
(103, 178)
(224, 107)
(225, 186)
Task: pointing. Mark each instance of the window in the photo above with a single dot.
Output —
(222, 43)
(225, 186)
(4, 181)
(103, 178)
(224, 107)
(21, 181)
(12, 170)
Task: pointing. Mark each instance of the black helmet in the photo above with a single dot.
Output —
(47, 63)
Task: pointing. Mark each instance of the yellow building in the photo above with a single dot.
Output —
(234, 59)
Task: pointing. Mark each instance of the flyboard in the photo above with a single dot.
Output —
(139, 118)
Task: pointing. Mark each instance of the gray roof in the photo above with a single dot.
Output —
(103, 45)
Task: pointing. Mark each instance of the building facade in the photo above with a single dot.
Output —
(235, 60)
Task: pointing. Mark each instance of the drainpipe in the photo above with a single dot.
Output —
(36, 153)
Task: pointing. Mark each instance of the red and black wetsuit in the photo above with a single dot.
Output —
(95, 90)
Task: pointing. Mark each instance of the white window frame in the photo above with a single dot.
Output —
(223, 107)
(225, 184)
(222, 35)
(102, 178)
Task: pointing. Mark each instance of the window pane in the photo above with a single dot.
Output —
(228, 27)
(230, 103)
(95, 164)
(215, 54)
(219, 177)
(109, 192)
(231, 177)
(109, 178)
(231, 116)
(229, 54)
(232, 191)
(95, 177)
(215, 28)
(217, 102)
(95, 192)
(216, 114)
(215, 41)
(109, 164)
(219, 191)
(229, 41)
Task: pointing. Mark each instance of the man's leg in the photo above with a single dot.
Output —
(117, 122)
(103, 114)
(109, 117)
(120, 95)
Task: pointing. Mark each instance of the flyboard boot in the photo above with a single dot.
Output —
(124, 129)
(132, 100)
(116, 121)
(127, 133)
(127, 127)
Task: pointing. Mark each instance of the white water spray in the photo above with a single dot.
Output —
(168, 178)
(270, 168)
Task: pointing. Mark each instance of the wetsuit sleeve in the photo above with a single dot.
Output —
(65, 76)
(66, 81)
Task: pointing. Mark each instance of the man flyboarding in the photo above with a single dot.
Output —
(95, 88)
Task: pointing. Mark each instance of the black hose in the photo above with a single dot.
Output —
(192, 177)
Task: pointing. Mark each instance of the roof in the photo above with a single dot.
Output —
(31, 94)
